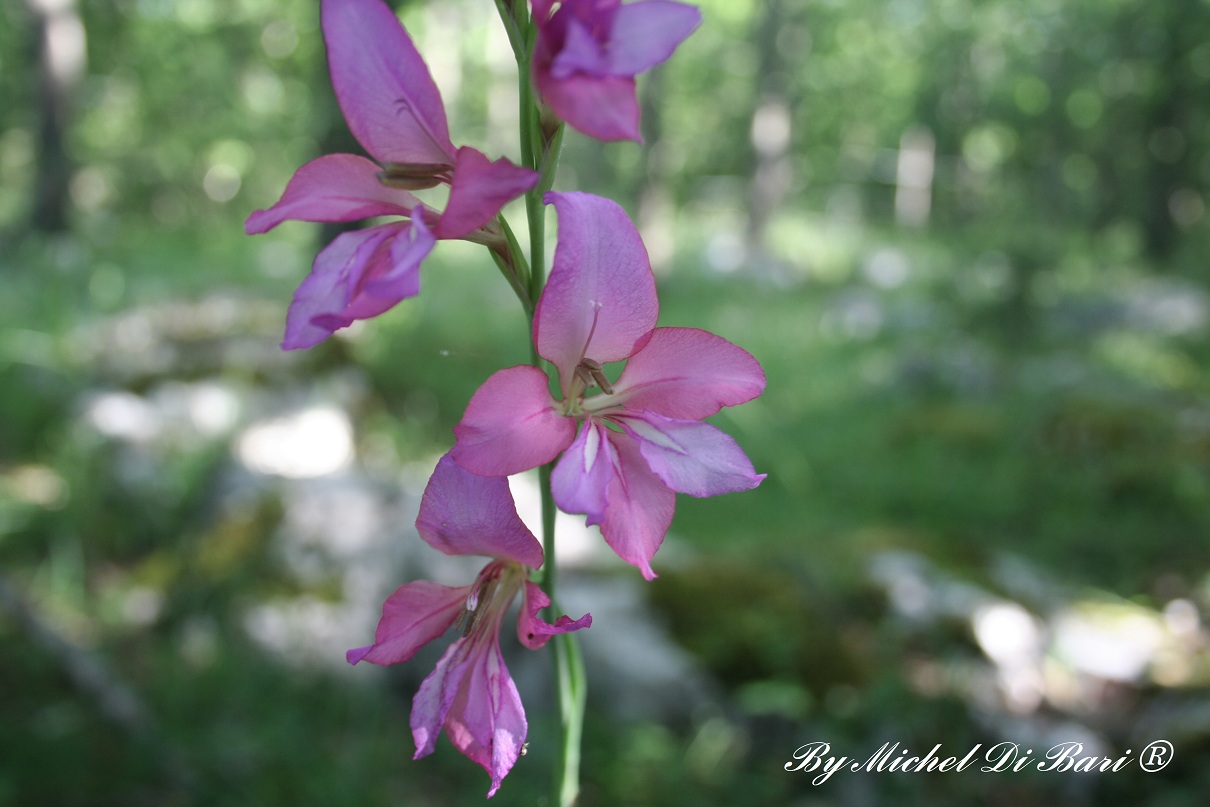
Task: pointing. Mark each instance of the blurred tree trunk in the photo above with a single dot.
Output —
(61, 59)
(1168, 123)
(770, 134)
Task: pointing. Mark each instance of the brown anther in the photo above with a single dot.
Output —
(592, 373)
(413, 176)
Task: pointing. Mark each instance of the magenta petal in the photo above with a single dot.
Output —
(511, 425)
(534, 631)
(640, 508)
(604, 108)
(472, 694)
(600, 300)
(320, 303)
(383, 86)
(646, 33)
(414, 615)
(581, 53)
(688, 374)
(462, 513)
(478, 190)
(580, 481)
(335, 187)
(437, 694)
(691, 456)
(388, 282)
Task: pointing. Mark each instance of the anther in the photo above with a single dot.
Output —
(591, 373)
(413, 176)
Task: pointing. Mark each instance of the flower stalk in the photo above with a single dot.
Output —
(540, 152)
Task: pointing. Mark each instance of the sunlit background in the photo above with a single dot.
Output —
(967, 241)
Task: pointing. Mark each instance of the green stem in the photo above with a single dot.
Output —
(541, 154)
(569, 667)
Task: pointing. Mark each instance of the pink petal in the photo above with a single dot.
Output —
(511, 425)
(359, 275)
(335, 187)
(640, 508)
(532, 630)
(436, 695)
(646, 33)
(604, 108)
(398, 278)
(688, 374)
(319, 304)
(462, 513)
(414, 615)
(478, 190)
(383, 85)
(581, 53)
(599, 302)
(580, 481)
(472, 694)
(691, 456)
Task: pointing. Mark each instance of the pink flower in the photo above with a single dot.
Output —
(394, 110)
(589, 51)
(470, 693)
(630, 449)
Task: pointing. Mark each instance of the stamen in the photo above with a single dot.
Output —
(584, 375)
(413, 176)
(591, 372)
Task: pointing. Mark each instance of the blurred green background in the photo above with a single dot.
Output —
(965, 239)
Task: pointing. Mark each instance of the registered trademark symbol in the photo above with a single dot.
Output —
(1156, 755)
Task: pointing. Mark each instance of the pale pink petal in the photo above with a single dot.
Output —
(640, 508)
(487, 721)
(532, 630)
(599, 302)
(462, 513)
(383, 85)
(472, 695)
(335, 187)
(580, 480)
(604, 108)
(414, 615)
(511, 425)
(320, 303)
(646, 33)
(688, 374)
(479, 188)
(691, 456)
